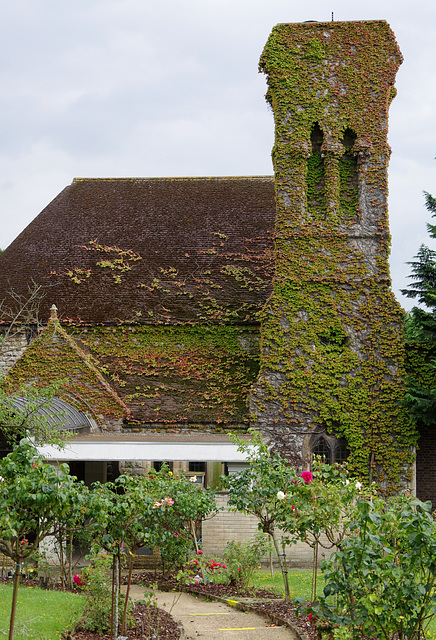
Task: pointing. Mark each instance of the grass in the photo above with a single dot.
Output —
(41, 615)
(300, 582)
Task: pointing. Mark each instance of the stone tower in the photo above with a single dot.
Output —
(332, 355)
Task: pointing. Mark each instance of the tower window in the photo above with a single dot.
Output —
(348, 177)
(315, 179)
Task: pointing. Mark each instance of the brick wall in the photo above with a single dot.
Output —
(426, 465)
(229, 525)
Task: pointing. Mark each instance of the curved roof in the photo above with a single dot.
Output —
(149, 249)
(56, 413)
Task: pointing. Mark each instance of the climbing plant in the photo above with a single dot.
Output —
(332, 354)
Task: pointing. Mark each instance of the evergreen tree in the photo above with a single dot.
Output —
(421, 321)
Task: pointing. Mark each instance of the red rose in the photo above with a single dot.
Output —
(307, 476)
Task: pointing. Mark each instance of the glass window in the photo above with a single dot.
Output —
(157, 465)
(197, 467)
(322, 449)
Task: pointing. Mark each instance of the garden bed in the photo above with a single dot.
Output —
(148, 620)
(265, 603)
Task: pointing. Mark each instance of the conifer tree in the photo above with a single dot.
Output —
(421, 321)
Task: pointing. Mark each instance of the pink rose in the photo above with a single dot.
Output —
(307, 476)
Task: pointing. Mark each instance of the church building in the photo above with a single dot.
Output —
(177, 311)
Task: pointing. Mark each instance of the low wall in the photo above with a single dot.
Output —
(230, 525)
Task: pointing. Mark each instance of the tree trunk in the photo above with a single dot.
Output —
(70, 560)
(116, 592)
(14, 599)
(282, 564)
(124, 622)
(197, 549)
(62, 559)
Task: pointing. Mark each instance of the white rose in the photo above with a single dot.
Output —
(280, 495)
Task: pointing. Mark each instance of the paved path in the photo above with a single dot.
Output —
(212, 620)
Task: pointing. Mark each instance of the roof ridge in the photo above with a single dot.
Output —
(175, 178)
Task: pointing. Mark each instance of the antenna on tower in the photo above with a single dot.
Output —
(333, 19)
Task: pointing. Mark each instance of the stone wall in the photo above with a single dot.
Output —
(332, 355)
(11, 348)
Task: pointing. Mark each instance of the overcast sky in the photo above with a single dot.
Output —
(119, 88)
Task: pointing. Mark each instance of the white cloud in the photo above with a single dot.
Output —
(127, 87)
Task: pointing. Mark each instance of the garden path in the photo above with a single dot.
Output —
(215, 620)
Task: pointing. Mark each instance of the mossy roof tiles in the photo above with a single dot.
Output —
(163, 246)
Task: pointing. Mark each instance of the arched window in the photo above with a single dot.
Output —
(315, 180)
(348, 177)
(330, 448)
(323, 450)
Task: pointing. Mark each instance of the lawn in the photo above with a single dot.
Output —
(300, 582)
(41, 615)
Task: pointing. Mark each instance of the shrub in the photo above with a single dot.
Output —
(381, 581)
(241, 558)
(203, 569)
(96, 584)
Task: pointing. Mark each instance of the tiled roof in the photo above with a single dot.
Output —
(149, 250)
(55, 355)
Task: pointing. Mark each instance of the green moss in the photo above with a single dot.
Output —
(55, 357)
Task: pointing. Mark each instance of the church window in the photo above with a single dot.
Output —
(197, 467)
(330, 449)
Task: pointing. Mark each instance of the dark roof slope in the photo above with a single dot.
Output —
(149, 250)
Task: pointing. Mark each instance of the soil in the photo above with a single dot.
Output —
(271, 605)
(148, 620)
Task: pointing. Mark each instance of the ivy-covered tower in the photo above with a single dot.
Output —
(332, 354)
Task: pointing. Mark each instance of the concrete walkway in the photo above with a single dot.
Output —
(214, 620)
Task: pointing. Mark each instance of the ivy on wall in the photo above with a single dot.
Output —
(332, 355)
(195, 374)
